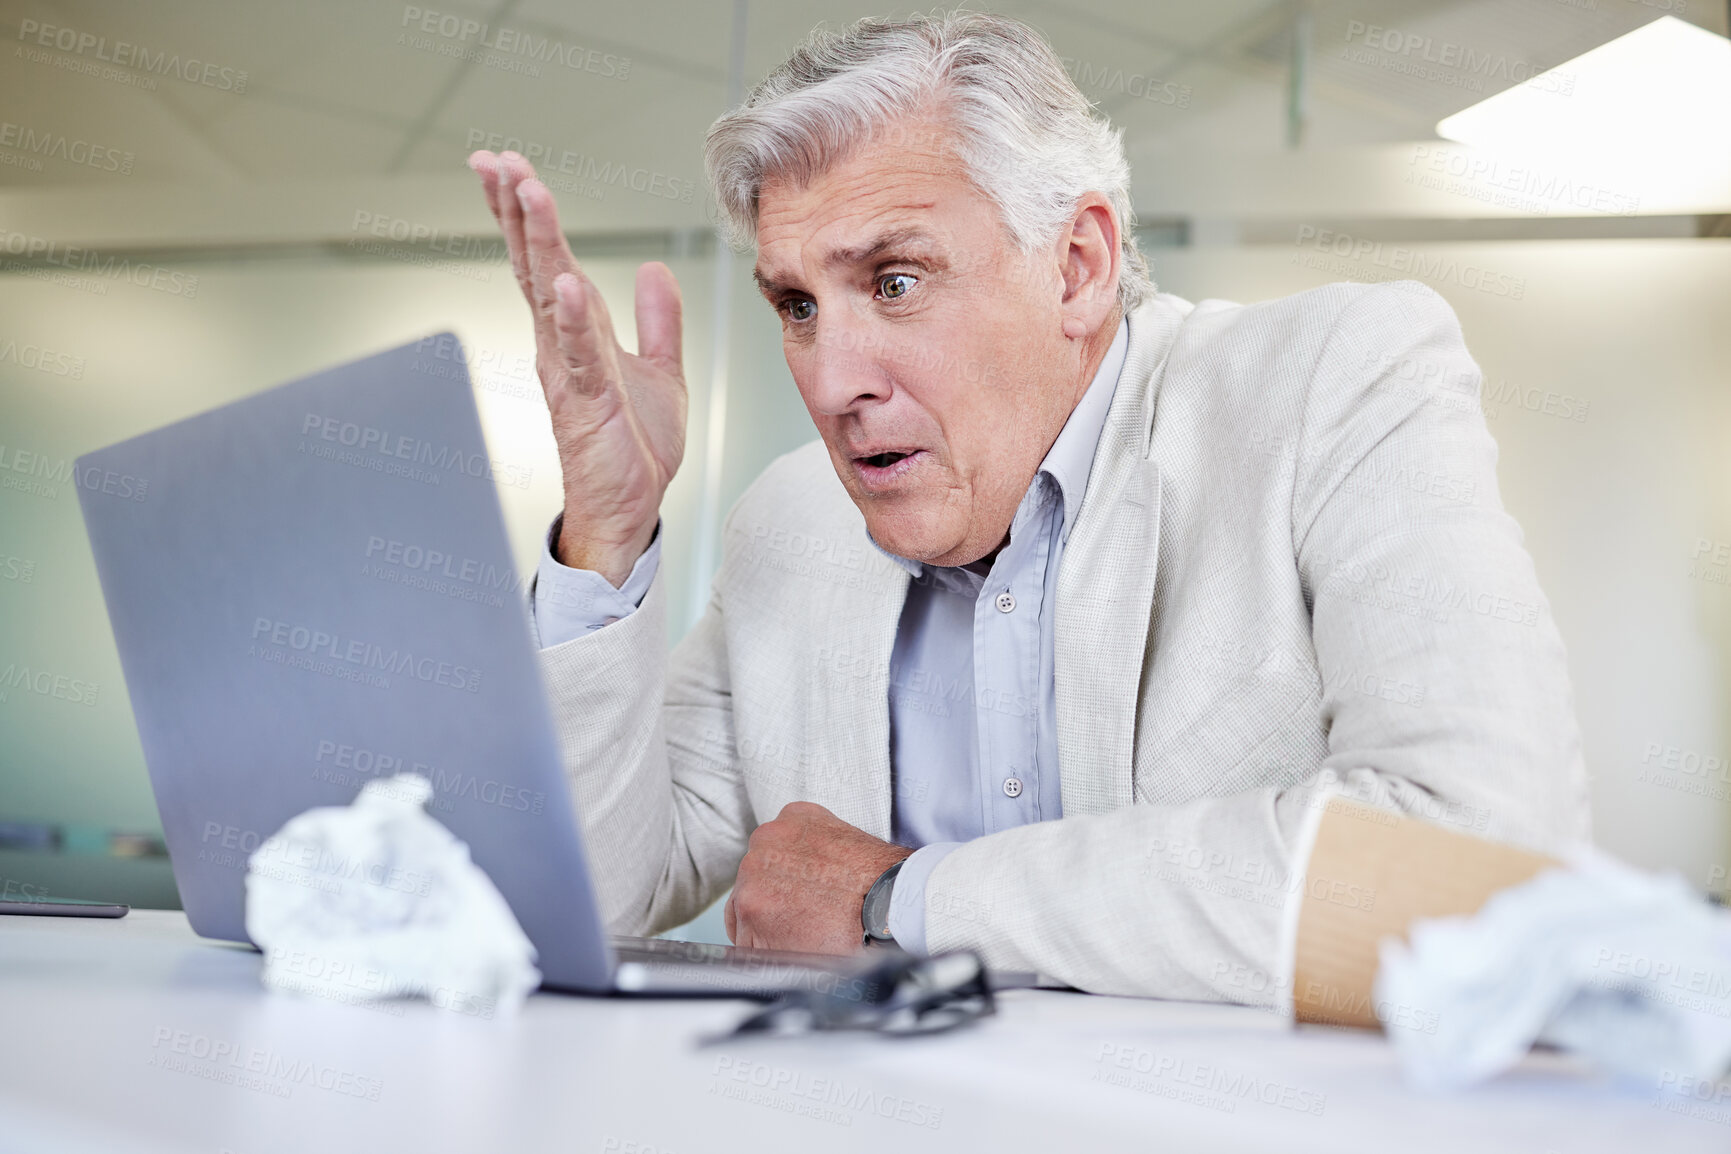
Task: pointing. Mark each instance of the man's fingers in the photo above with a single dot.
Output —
(727, 917)
(511, 170)
(548, 254)
(491, 170)
(486, 166)
(569, 313)
(586, 350)
(658, 318)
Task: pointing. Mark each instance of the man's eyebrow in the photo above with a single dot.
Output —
(765, 285)
(878, 245)
(856, 254)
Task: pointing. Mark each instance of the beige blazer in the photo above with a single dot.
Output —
(1291, 567)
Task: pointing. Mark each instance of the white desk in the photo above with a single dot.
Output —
(92, 1014)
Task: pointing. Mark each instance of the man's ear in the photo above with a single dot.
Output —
(1088, 257)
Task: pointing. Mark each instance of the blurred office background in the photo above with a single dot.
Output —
(254, 191)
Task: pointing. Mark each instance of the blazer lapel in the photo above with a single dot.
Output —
(849, 732)
(1106, 583)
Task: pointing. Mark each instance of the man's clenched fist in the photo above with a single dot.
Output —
(802, 880)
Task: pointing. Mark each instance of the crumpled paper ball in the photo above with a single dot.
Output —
(1630, 969)
(379, 900)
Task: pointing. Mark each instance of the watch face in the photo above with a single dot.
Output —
(878, 920)
(874, 914)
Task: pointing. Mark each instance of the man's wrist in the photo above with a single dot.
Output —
(569, 603)
(612, 561)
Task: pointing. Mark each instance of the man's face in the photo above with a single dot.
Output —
(928, 348)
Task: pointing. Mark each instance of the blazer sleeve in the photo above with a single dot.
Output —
(647, 740)
(1413, 572)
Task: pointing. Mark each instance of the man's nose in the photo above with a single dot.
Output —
(843, 369)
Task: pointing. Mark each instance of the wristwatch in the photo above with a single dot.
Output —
(874, 911)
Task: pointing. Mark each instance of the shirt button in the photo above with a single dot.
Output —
(1006, 602)
(1012, 785)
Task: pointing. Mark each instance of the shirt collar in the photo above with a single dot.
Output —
(1071, 458)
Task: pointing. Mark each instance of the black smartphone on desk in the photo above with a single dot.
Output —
(63, 908)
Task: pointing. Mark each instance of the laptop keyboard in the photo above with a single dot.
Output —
(669, 951)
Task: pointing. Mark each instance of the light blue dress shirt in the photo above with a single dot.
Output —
(973, 703)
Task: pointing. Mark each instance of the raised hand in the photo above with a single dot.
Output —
(618, 417)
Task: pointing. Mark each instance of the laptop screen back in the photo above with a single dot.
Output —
(311, 588)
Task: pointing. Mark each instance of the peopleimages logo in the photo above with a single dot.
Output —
(45, 683)
(13, 891)
(58, 146)
(401, 447)
(1220, 1088)
(405, 231)
(278, 640)
(42, 476)
(352, 765)
(549, 159)
(1344, 576)
(17, 568)
(508, 372)
(1456, 64)
(1342, 254)
(1493, 180)
(43, 360)
(440, 563)
(828, 1099)
(516, 50)
(1102, 78)
(435, 571)
(135, 56)
(254, 1067)
(75, 259)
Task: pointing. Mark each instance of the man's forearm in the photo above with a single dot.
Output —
(1165, 901)
(1151, 901)
(646, 737)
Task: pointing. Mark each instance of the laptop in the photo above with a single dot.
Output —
(312, 588)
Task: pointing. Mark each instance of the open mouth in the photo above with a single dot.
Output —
(881, 472)
(883, 460)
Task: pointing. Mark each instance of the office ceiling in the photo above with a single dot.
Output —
(337, 89)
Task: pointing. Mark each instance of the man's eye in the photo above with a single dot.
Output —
(800, 310)
(896, 284)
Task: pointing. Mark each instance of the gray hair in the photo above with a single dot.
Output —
(1027, 137)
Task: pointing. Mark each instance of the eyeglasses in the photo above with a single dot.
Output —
(902, 995)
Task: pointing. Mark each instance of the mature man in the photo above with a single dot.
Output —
(1084, 593)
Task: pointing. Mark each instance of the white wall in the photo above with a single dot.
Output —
(1613, 505)
(151, 357)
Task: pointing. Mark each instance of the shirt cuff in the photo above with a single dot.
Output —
(908, 898)
(571, 603)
